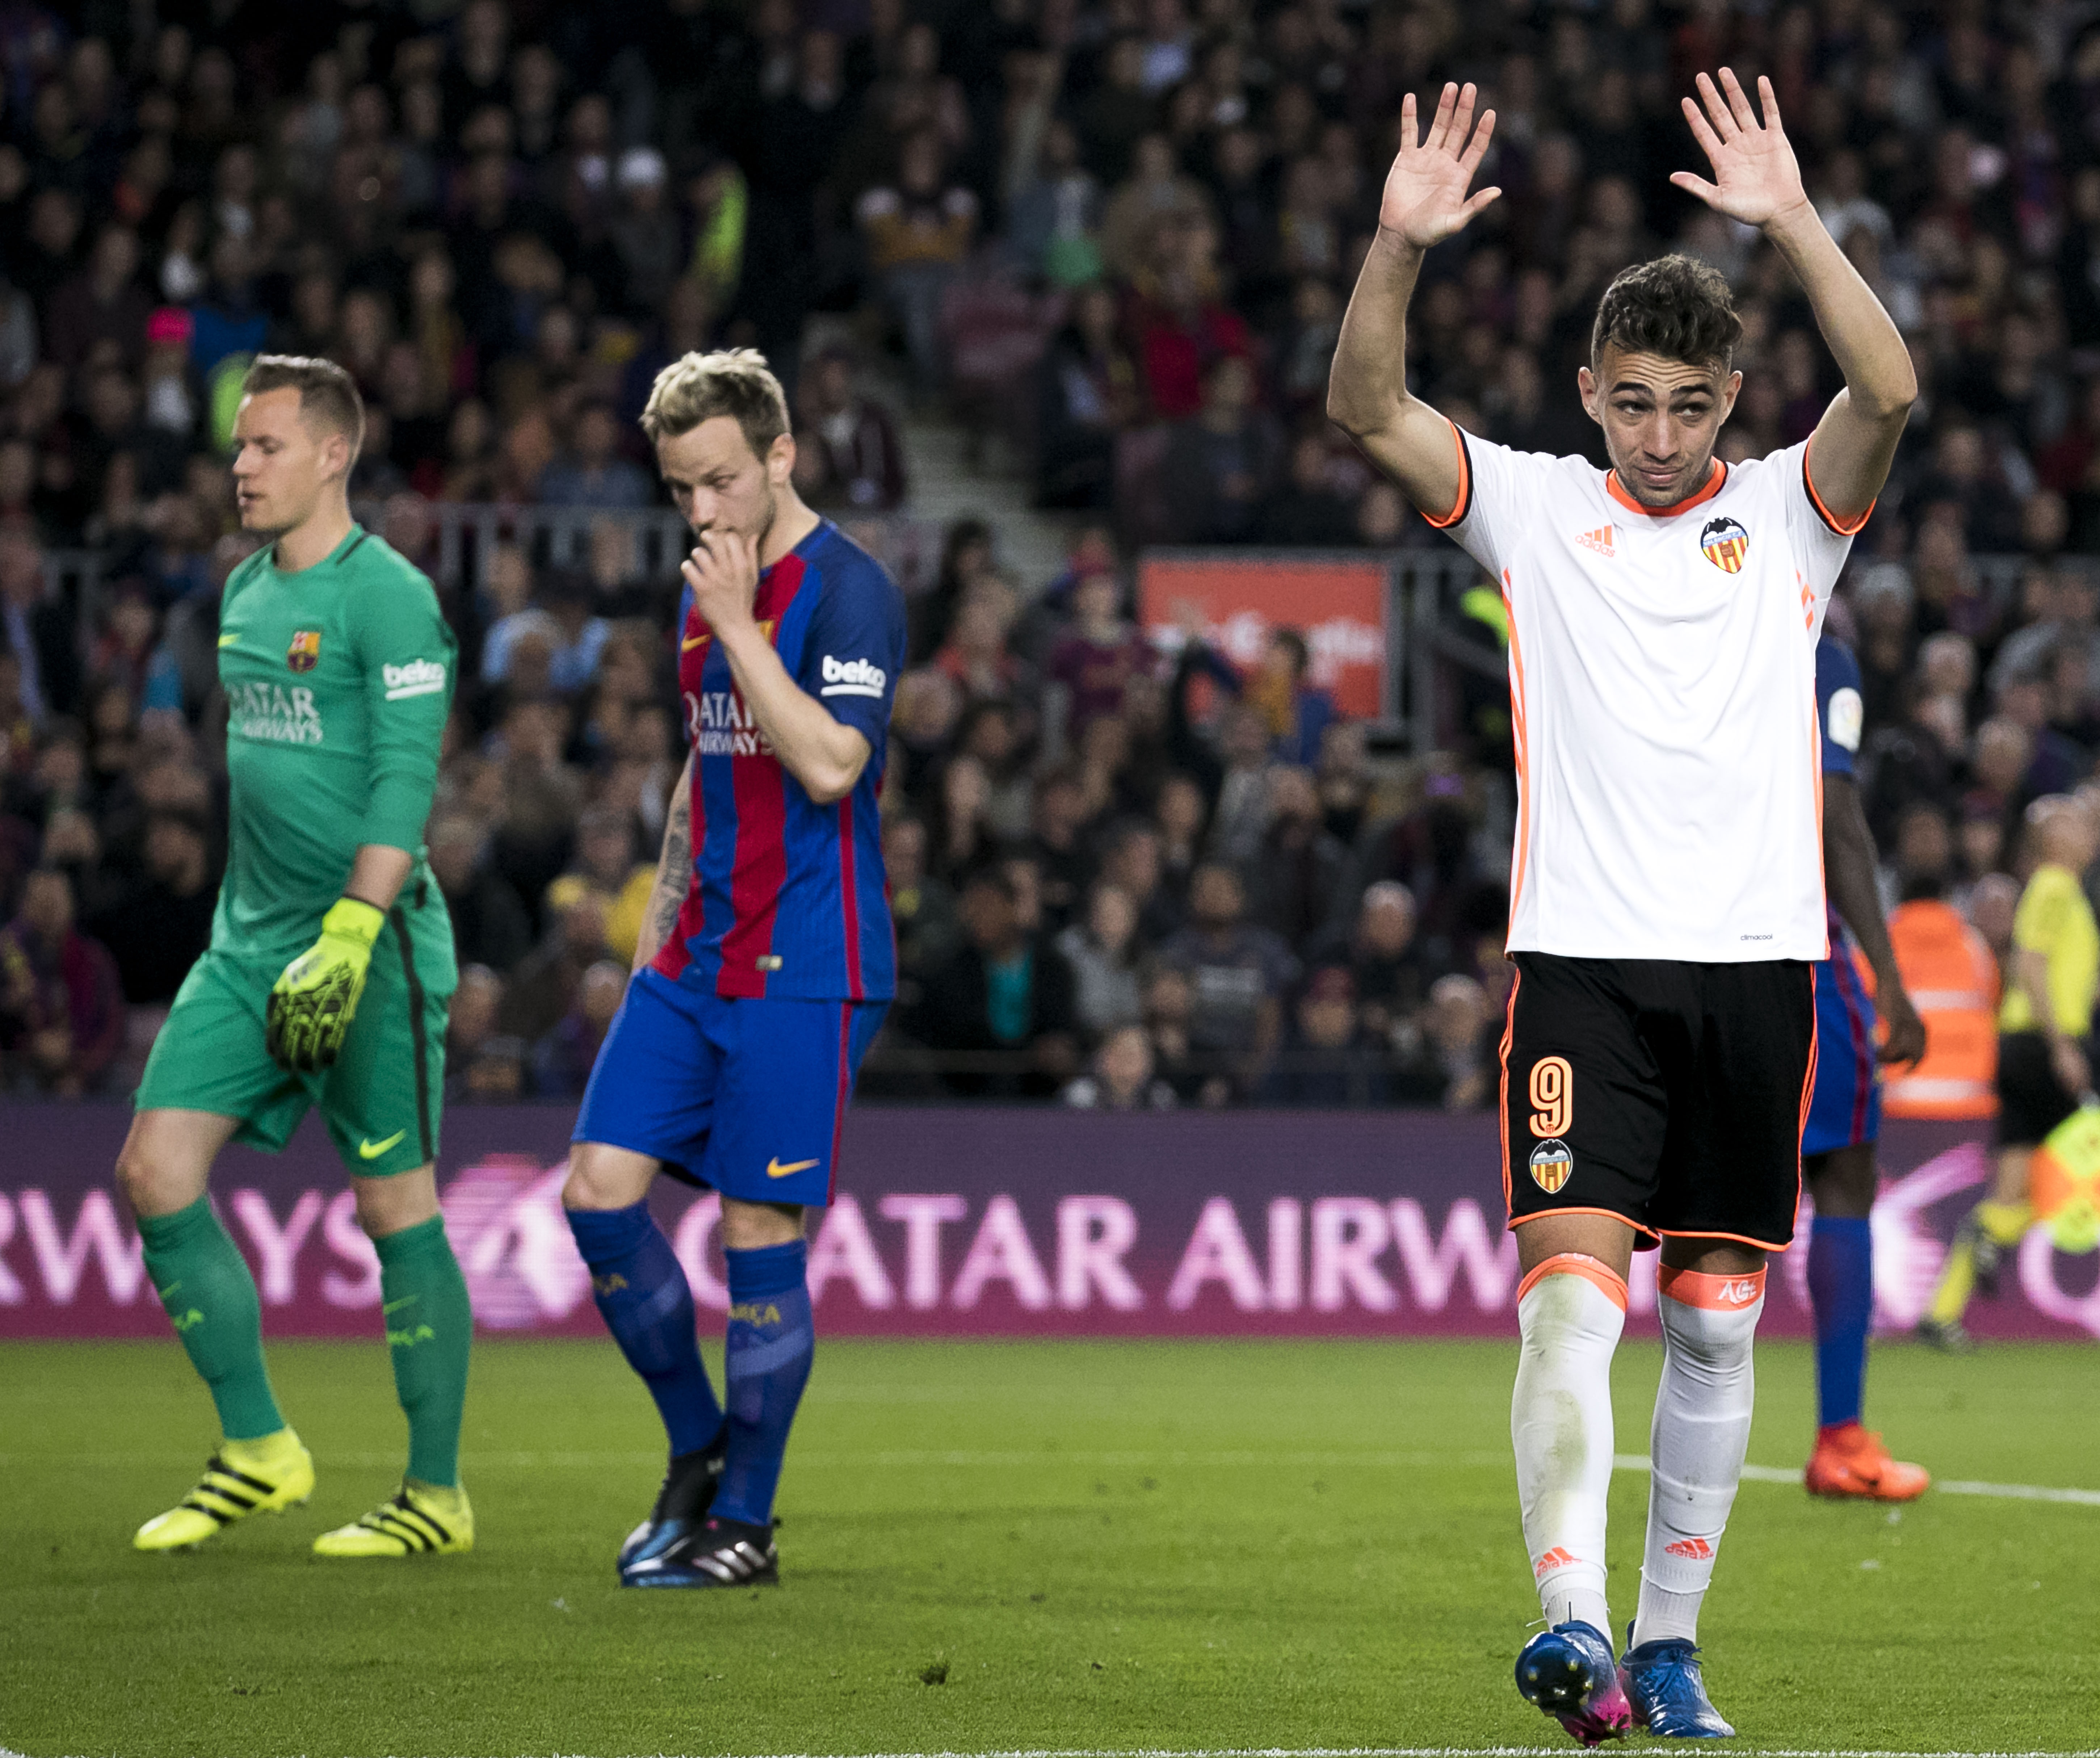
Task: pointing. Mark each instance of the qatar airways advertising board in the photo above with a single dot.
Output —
(975, 1223)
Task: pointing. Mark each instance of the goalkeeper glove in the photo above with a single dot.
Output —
(313, 1003)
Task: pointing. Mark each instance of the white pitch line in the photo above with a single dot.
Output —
(2003, 1492)
(1399, 1752)
(1419, 1752)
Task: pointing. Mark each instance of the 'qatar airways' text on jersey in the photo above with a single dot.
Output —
(787, 897)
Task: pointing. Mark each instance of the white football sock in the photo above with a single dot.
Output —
(1702, 1430)
(1570, 1310)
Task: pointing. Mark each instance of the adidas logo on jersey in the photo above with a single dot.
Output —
(418, 678)
(853, 677)
(1599, 540)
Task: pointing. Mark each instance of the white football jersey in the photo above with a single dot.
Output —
(1663, 689)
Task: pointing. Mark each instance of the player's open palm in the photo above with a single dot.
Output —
(1756, 176)
(1425, 199)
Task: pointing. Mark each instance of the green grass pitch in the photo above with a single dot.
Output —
(992, 1546)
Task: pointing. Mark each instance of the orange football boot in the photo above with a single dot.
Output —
(1850, 1463)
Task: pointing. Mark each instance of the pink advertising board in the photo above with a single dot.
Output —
(957, 1222)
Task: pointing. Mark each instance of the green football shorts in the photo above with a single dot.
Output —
(381, 1099)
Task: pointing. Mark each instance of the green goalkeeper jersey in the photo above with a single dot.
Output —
(338, 679)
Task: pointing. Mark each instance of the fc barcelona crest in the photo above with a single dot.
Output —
(305, 652)
(1724, 543)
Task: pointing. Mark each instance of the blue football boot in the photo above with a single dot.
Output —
(718, 1554)
(682, 1505)
(1568, 1671)
(1663, 1684)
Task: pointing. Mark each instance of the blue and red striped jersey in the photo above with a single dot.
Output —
(788, 898)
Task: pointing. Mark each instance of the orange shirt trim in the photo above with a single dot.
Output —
(1845, 527)
(1464, 504)
(1715, 478)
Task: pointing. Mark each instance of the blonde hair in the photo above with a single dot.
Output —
(732, 381)
(328, 394)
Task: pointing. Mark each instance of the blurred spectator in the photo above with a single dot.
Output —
(158, 926)
(922, 907)
(1294, 879)
(1239, 973)
(1221, 463)
(1094, 664)
(1307, 512)
(102, 312)
(1087, 394)
(497, 1073)
(544, 986)
(608, 867)
(476, 1005)
(1003, 1004)
(61, 1002)
(1102, 951)
(1384, 962)
(1054, 213)
(918, 231)
(593, 473)
(1450, 1060)
(40, 634)
(1121, 1077)
(847, 452)
(1297, 711)
(490, 927)
(1325, 1061)
(562, 1060)
(578, 635)
(644, 231)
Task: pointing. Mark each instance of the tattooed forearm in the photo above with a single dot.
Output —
(674, 867)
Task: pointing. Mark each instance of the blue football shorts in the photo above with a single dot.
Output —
(745, 1096)
(1847, 1108)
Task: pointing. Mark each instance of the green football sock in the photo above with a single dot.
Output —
(210, 1296)
(429, 1326)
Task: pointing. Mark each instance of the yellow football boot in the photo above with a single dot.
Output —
(417, 1519)
(243, 1477)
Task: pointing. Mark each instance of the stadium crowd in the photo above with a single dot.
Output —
(1118, 232)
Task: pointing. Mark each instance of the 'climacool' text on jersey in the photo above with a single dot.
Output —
(787, 897)
(1662, 686)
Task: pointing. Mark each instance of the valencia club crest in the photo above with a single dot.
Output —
(1724, 543)
(305, 652)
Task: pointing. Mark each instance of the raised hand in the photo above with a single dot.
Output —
(1756, 176)
(1425, 200)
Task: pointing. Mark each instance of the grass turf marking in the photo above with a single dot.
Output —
(2002, 1492)
(1399, 1752)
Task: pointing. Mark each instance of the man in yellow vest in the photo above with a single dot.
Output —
(2043, 1071)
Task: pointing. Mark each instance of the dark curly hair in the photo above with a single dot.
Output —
(1677, 306)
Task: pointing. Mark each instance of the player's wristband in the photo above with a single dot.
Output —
(353, 919)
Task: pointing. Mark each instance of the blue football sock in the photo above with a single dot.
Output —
(772, 1340)
(642, 1291)
(1841, 1288)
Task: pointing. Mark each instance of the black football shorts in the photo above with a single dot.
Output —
(1669, 1094)
(2031, 1101)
